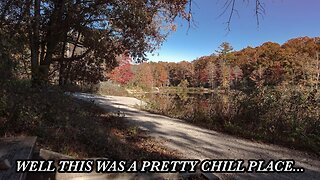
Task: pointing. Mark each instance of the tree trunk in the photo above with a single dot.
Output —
(62, 64)
(68, 65)
(34, 44)
(318, 71)
(62, 74)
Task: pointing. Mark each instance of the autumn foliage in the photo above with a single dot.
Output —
(295, 63)
(123, 73)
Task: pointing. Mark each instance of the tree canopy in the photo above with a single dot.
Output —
(95, 31)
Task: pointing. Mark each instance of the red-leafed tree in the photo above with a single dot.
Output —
(123, 73)
(201, 73)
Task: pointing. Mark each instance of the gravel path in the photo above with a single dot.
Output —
(198, 143)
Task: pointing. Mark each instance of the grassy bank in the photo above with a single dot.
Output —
(290, 117)
(110, 88)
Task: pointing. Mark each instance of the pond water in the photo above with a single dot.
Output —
(205, 107)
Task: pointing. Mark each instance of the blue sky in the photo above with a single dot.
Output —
(283, 20)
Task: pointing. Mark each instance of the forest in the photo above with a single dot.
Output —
(294, 65)
(270, 92)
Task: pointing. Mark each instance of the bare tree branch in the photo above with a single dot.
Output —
(233, 2)
(260, 11)
(230, 5)
(190, 19)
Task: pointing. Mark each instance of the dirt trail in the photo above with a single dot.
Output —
(198, 143)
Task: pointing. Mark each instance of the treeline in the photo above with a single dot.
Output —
(295, 63)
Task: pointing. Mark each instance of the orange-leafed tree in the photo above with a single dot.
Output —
(143, 76)
(160, 74)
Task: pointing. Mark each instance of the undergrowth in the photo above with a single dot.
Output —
(69, 126)
(290, 117)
